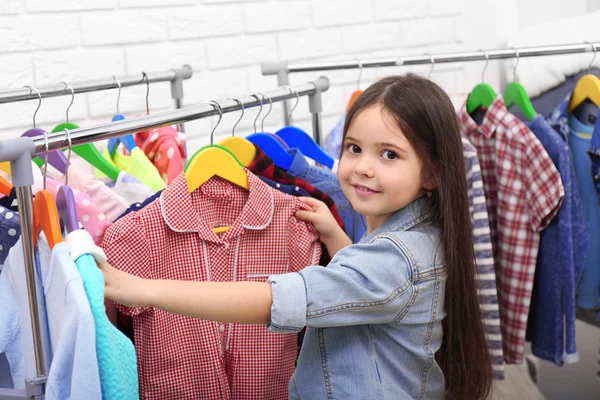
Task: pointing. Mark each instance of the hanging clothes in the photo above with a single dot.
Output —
(594, 152)
(66, 324)
(10, 202)
(91, 217)
(111, 204)
(171, 238)
(560, 262)
(484, 259)
(523, 193)
(263, 165)
(165, 148)
(138, 165)
(333, 141)
(117, 363)
(569, 127)
(327, 181)
(130, 188)
(292, 190)
(10, 231)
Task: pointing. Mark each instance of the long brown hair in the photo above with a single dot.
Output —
(426, 116)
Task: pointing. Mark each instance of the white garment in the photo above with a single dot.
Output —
(67, 325)
(130, 188)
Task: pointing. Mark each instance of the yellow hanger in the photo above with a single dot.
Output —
(588, 87)
(214, 160)
(240, 147)
(5, 166)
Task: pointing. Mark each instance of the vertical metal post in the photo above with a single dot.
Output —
(315, 106)
(283, 79)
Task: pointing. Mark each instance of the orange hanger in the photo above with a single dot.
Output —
(355, 95)
(45, 218)
(5, 186)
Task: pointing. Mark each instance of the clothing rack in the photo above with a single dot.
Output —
(284, 69)
(19, 152)
(176, 76)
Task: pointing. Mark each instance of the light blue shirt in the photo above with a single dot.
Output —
(374, 314)
(68, 329)
(117, 361)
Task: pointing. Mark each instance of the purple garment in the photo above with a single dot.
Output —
(561, 259)
(484, 258)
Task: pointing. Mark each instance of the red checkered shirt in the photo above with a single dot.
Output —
(523, 193)
(171, 238)
(263, 165)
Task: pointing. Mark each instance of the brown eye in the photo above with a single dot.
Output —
(389, 155)
(352, 148)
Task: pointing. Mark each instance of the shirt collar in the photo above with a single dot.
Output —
(405, 218)
(179, 213)
(494, 115)
(300, 166)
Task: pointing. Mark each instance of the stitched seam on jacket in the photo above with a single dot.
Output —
(322, 340)
(430, 355)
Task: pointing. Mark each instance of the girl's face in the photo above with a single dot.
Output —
(380, 171)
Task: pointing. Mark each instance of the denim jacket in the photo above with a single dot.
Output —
(374, 314)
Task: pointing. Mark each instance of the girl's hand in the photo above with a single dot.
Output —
(320, 217)
(124, 288)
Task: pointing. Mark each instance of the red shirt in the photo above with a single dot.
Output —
(171, 238)
(523, 191)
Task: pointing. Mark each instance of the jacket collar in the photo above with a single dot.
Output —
(180, 215)
(405, 218)
(300, 166)
(493, 117)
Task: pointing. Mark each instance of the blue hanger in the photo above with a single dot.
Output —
(298, 138)
(267, 143)
(127, 140)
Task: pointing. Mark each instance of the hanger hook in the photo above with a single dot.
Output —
(432, 62)
(46, 163)
(487, 62)
(145, 78)
(217, 107)
(516, 76)
(67, 86)
(259, 110)
(292, 90)
(262, 122)
(593, 58)
(31, 89)
(119, 94)
(241, 116)
(360, 72)
(68, 134)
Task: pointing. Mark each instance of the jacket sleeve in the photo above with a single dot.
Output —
(364, 284)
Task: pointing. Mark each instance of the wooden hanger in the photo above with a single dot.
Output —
(65, 198)
(482, 95)
(5, 166)
(5, 186)
(126, 140)
(212, 161)
(515, 93)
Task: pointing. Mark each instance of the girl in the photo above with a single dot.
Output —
(396, 315)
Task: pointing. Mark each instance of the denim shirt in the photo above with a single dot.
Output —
(594, 153)
(374, 314)
(328, 182)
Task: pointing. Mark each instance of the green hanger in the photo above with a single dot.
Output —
(515, 93)
(482, 95)
(90, 153)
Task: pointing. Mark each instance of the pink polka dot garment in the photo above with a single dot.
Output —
(91, 218)
(164, 147)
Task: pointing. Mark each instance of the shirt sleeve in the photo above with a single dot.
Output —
(365, 283)
(545, 190)
(303, 242)
(126, 247)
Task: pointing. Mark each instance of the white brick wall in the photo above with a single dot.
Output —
(46, 41)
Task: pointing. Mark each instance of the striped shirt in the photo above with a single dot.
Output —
(484, 259)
